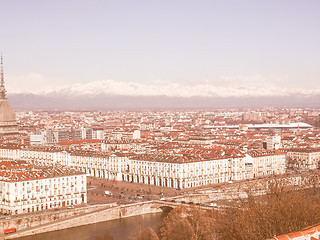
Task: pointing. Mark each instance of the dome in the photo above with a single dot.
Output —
(8, 123)
(7, 114)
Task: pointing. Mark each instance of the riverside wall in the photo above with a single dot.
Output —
(100, 215)
(21, 222)
(211, 197)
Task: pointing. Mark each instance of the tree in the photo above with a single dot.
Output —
(284, 209)
(147, 234)
(188, 223)
(281, 211)
(179, 230)
(143, 234)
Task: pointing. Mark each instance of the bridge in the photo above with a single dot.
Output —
(168, 205)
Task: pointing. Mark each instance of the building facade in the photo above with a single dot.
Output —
(177, 170)
(304, 158)
(185, 172)
(26, 188)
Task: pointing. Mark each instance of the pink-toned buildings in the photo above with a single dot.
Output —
(26, 187)
(172, 165)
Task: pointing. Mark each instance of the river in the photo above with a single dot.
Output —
(120, 229)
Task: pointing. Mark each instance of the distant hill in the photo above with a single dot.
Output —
(78, 102)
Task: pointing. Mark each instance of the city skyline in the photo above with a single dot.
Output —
(173, 49)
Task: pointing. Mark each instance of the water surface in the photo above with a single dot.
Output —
(120, 229)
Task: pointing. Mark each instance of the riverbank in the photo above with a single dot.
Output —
(119, 229)
(101, 215)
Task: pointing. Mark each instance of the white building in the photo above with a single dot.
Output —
(52, 136)
(189, 168)
(28, 188)
(136, 134)
(196, 170)
(98, 133)
(266, 163)
(97, 164)
(37, 139)
(273, 142)
(304, 158)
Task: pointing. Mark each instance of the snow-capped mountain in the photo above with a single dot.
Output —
(117, 88)
(110, 94)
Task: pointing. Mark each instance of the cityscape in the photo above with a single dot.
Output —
(70, 161)
(170, 120)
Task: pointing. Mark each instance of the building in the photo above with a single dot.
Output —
(265, 163)
(98, 133)
(177, 171)
(28, 188)
(308, 233)
(53, 136)
(8, 123)
(305, 158)
(37, 139)
(185, 169)
(97, 164)
(273, 142)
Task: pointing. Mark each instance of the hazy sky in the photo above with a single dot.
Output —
(267, 44)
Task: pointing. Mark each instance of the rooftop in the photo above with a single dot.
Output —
(15, 171)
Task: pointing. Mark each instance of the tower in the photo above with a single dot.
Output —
(8, 123)
(2, 88)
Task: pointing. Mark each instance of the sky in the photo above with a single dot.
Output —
(179, 47)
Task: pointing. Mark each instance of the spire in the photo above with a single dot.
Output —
(3, 91)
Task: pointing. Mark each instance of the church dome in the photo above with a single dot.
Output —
(8, 124)
(7, 114)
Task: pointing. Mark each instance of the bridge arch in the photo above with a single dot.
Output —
(166, 208)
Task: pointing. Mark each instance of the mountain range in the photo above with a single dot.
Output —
(112, 95)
